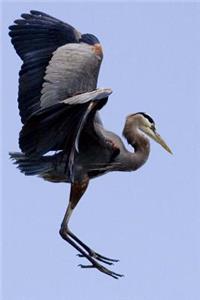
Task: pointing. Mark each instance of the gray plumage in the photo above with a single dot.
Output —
(59, 105)
(73, 69)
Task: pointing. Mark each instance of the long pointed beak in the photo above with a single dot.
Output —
(157, 138)
(160, 141)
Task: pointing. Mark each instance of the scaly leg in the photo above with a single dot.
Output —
(91, 252)
(77, 190)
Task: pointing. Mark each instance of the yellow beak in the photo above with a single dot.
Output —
(157, 138)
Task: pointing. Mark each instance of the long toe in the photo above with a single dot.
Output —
(102, 269)
(98, 258)
(97, 255)
(101, 258)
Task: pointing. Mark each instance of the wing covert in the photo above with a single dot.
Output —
(36, 36)
(51, 128)
(59, 126)
(72, 70)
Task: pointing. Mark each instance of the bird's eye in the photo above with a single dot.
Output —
(153, 127)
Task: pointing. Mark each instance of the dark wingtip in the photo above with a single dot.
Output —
(38, 13)
(25, 15)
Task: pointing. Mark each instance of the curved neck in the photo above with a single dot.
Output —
(141, 146)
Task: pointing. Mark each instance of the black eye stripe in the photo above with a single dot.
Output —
(144, 115)
(147, 117)
(153, 127)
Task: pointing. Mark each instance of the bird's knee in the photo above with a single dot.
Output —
(63, 231)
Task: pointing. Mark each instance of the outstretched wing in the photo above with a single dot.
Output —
(37, 30)
(35, 37)
(59, 126)
(72, 70)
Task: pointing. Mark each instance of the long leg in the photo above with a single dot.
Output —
(77, 190)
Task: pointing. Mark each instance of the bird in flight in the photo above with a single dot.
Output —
(59, 105)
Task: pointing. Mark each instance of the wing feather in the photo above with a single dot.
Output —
(37, 24)
(59, 126)
(35, 37)
(73, 69)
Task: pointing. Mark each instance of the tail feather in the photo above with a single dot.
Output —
(31, 166)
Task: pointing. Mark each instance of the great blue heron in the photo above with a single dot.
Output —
(59, 103)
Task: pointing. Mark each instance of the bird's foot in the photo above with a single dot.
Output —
(101, 269)
(90, 255)
(104, 259)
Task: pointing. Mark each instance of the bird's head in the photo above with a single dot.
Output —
(143, 122)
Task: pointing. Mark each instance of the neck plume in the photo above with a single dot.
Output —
(141, 146)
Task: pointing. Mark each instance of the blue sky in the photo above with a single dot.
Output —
(149, 219)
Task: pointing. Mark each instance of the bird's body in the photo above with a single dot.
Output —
(59, 105)
(53, 167)
(93, 159)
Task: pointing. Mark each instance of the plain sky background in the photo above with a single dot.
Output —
(149, 219)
